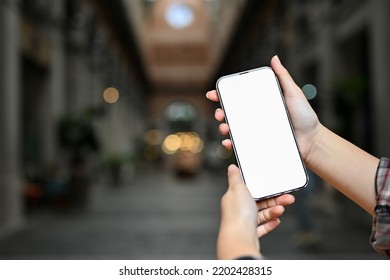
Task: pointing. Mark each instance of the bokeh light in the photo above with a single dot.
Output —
(310, 91)
(111, 95)
(184, 141)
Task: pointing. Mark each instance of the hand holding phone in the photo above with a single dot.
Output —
(261, 133)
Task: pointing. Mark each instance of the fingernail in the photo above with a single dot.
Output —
(278, 60)
(231, 167)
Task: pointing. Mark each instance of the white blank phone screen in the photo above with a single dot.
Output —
(262, 135)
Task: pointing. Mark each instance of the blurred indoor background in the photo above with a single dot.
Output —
(110, 149)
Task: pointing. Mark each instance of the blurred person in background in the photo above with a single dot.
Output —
(357, 174)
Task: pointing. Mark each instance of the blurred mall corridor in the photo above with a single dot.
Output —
(111, 150)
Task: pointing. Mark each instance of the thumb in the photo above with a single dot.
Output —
(286, 81)
(280, 70)
(234, 176)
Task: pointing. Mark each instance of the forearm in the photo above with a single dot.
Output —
(345, 166)
(234, 243)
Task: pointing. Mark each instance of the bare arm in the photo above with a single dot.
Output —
(345, 166)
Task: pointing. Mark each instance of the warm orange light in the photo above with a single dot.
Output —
(184, 141)
(171, 144)
(111, 95)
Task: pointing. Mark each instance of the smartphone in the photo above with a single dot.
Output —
(261, 132)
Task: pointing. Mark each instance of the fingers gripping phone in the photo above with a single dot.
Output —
(261, 133)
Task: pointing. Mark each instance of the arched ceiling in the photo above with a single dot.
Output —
(182, 41)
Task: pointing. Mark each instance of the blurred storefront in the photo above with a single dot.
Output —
(72, 96)
(341, 47)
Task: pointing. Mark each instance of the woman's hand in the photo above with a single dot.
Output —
(304, 119)
(244, 221)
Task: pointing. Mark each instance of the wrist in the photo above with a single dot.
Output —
(315, 141)
(233, 243)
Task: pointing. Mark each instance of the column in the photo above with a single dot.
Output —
(10, 183)
(56, 81)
